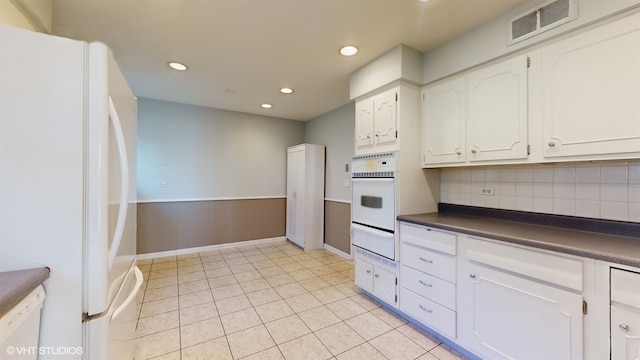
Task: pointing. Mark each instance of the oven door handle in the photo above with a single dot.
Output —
(379, 233)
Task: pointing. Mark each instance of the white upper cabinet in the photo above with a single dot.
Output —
(376, 123)
(364, 124)
(591, 92)
(479, 117)
(444, 122)
(572, 99)
(384, 115)
(497, 111)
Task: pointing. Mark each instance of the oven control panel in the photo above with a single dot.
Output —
(371, 165)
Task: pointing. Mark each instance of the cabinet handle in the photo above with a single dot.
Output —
(551, 144)
(624, 327)
(368, 271)
(473, 276)
(473, 151)
(425, 309)
(377, 275)
(425, 260)
(458, 153)
(424, 283)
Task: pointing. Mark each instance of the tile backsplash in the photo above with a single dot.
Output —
(601, 190)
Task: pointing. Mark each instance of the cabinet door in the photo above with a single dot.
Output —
(625, 334)
(292, 177)
(443, 122)
(591, 91)
(510, 317)
(384, 118)
(363, 274)
(295, 195)
(385, 285)
(364, 125)
(497, 111)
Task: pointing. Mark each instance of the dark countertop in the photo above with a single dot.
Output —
(15, 285)
(613, 248)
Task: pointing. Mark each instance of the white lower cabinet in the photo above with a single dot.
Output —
(377, 275)
(625, 314)
(499, 300)
(517, 303)
(625, 333)
(428, 276)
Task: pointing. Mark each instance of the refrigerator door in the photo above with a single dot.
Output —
(42, 172)
(112, 336)
(111, 184)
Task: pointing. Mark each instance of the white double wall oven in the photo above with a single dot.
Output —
(373, 205)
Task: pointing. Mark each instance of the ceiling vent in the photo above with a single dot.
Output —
(541, 18)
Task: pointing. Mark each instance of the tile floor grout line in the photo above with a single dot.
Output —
(302, 260)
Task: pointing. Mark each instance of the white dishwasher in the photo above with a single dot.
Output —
(20, 327)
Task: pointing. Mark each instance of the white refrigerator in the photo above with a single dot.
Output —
(68, 124)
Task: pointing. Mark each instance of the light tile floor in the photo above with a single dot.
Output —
(268, 301)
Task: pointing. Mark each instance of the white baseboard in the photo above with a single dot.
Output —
(208, 248)
(338, 252)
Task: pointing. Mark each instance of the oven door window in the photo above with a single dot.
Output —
(373, 202)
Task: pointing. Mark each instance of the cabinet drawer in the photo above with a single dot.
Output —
(625, 287)
(428, 237)
(428, 312)
(547, 267)
(431, 287)
(428, 261)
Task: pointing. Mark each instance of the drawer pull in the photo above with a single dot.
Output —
(425, 309)
(624, 327)
(424, 283)
(368, 271)
(473, 276)
(426, 260)
(377, 275)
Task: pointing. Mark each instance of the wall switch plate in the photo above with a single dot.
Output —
(487, 190)
(345, 183)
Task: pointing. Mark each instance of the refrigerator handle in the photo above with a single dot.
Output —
(124, 183)
(131, 296)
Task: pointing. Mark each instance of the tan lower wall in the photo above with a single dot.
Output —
(164, 226)
(337, 224)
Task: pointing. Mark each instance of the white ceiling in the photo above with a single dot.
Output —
(241, 52)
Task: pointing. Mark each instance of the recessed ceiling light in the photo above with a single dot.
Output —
(266, 106)
(286, 90)
(348, 50)
(178, 66)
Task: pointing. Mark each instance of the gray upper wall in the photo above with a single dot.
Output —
(335, 130)
(489, 40)
(203, 153)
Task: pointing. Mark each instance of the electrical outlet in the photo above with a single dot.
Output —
(162, 184)
(345, 183)
(487, 190)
